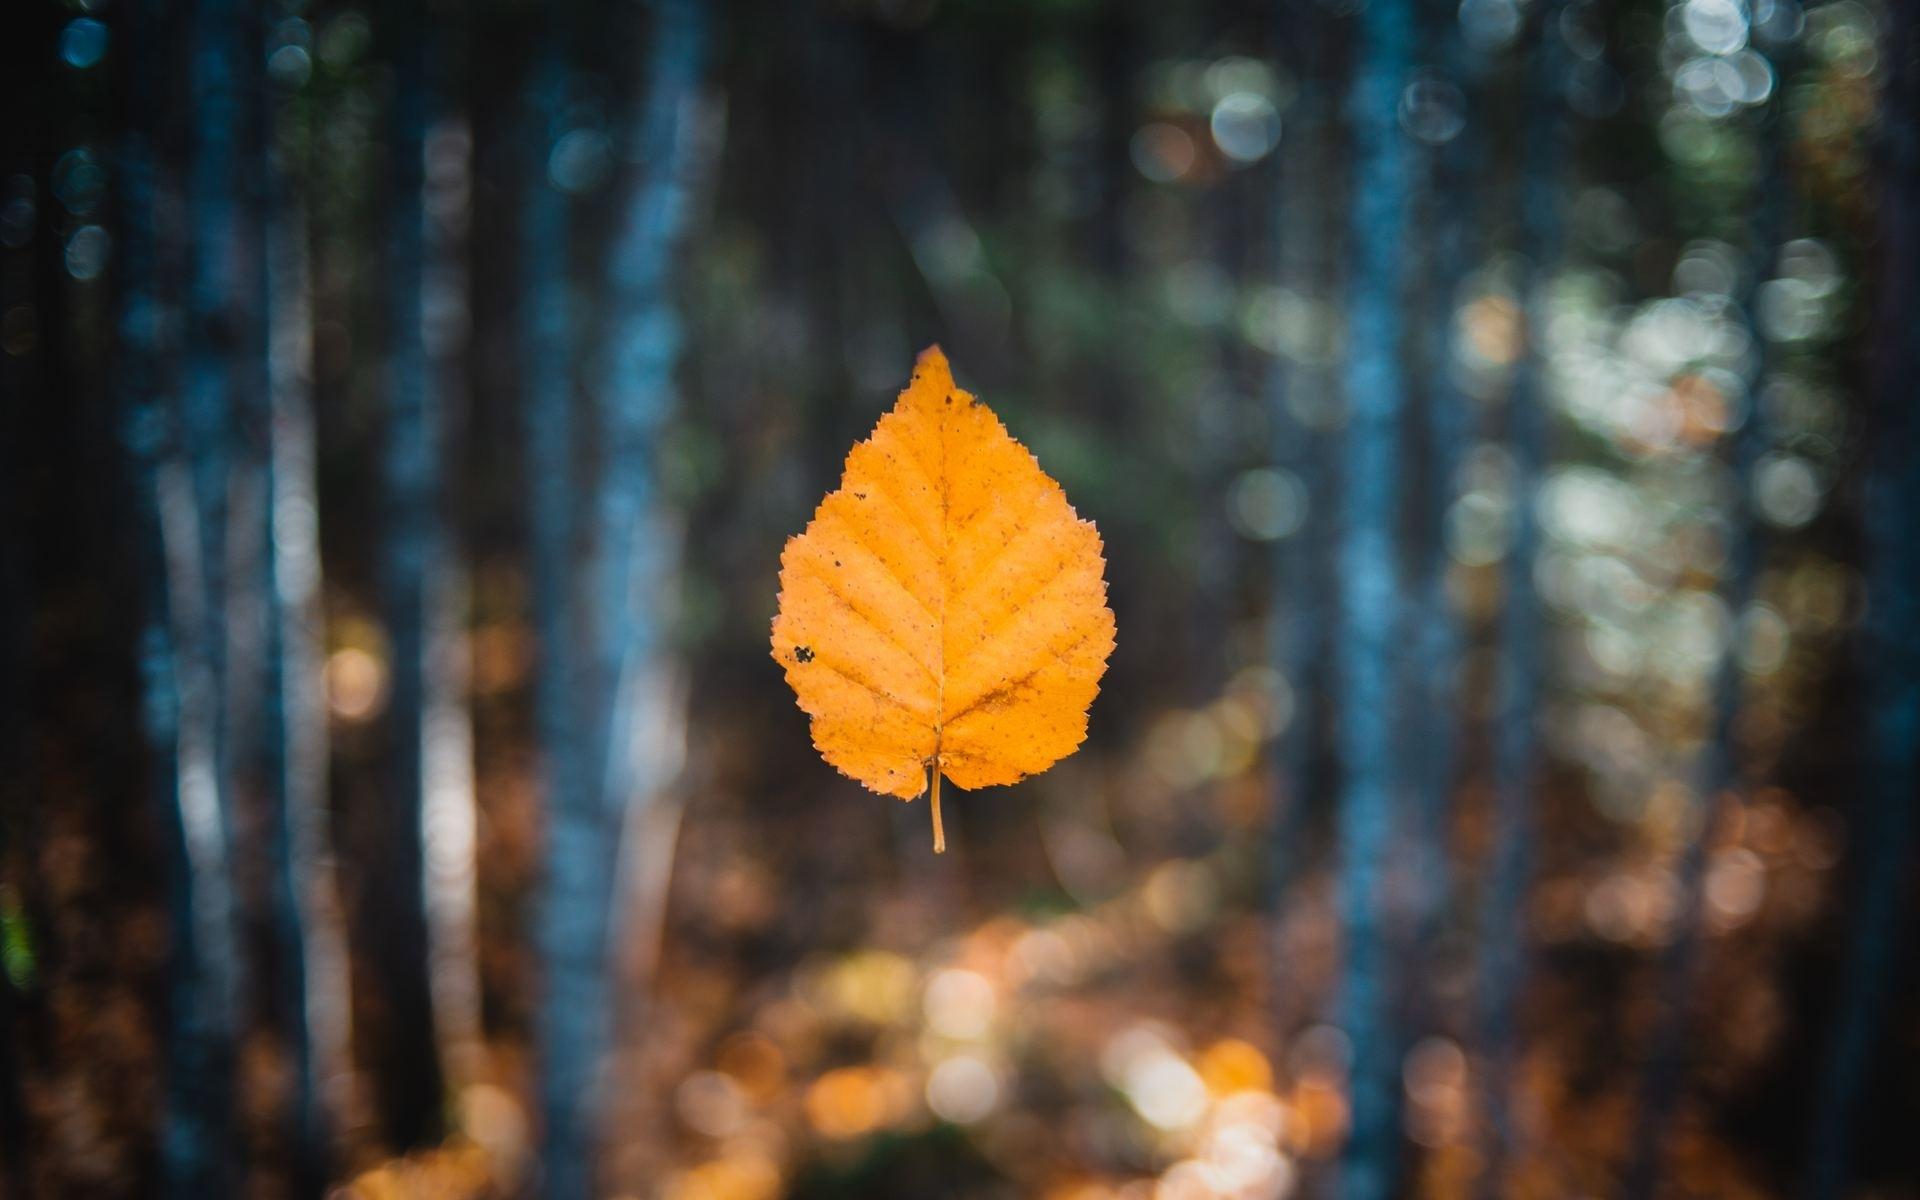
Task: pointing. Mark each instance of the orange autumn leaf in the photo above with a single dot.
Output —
(945, 612)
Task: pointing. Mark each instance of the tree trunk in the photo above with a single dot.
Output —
(597, 613)
(411, 1090)
(1446, 426)
(1520, 633)
(1890, 657)
(569, 922)
(449, 816)
(312, 997)
(1369, 585)
(187, 474)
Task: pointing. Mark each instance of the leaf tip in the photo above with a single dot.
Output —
(933, 361)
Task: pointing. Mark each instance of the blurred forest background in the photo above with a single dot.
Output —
(1501, 418)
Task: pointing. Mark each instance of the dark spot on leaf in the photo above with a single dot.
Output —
(976, 402)
(802, 654)
(860, 495)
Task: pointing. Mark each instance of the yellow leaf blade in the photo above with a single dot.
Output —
(945, 610)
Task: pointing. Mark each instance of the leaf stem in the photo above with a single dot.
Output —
(939, 833)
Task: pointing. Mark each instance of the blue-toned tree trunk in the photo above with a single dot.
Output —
(408, 1064)
(568, 919)
(1452, 172)
(432, 733)
(632, 381)
(1521, 629)
(311, 997)
(1369, 585)
(449, 817)
(217, 283)
(1882, 844)
(596, 574)
(185, 473)
(633, 387)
